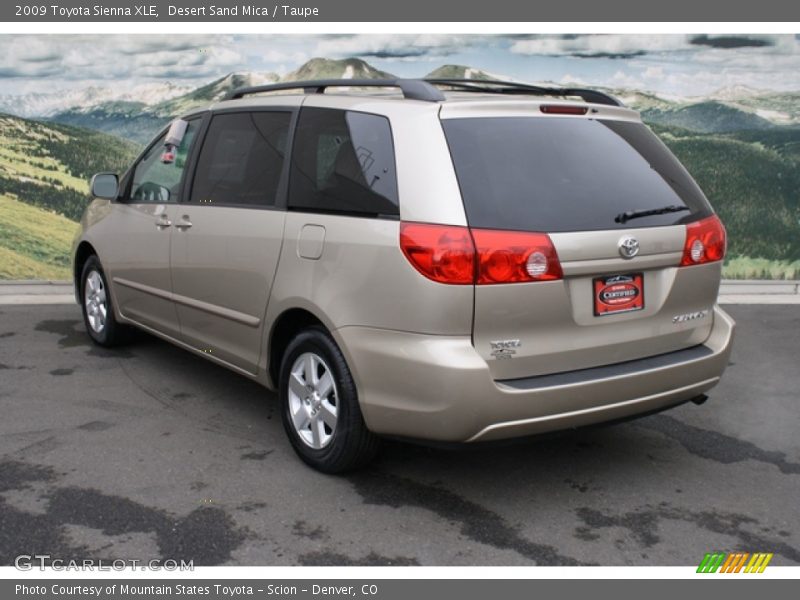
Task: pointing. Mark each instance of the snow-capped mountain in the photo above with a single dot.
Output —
(326, 68)
(138, 121)
(47, 104)
(211, 92)
(463, 72)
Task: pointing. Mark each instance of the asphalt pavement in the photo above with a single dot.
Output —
(147, 451)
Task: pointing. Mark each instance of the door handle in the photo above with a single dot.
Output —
(184, 223)
(163, 222)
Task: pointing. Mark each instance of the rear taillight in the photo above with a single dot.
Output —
(440, 252)
(513, 256)
(705, 242)
(458, 255)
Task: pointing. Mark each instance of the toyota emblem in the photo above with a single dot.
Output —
(628, 247)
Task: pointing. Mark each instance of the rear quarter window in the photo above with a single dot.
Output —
(559, 174)
(343, 162)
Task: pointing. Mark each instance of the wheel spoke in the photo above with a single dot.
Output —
(297, 387)
(324, 385)
(317, 431)
(309, 369)
(328, 412)
(300, 419)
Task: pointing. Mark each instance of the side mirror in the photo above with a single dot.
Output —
(105, 186)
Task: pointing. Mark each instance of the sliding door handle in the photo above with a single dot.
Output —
(184, 223)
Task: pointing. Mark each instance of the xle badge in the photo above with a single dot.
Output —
(504, 348)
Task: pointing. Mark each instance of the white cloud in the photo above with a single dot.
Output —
(601, 45)
(653, 73)
(117, 57)
(390, 46)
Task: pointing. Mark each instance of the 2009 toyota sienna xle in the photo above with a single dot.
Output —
(442, 260)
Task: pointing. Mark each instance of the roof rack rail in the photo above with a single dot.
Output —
(412, 89)
(512, 87)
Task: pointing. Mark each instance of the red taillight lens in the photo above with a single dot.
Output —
(512, 256)
(458, 255)
(705, 242)
(561, 109)
(443, 253)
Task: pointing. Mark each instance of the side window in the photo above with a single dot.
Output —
(157, 181)
(242, 159)
(343, 162)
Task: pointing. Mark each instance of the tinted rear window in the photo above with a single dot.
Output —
(343, 162)
(566, 174)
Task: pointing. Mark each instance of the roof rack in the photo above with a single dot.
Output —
(412, 89)
(511, 87)
(426, 90)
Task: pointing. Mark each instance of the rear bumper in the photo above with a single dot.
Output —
(439, 388)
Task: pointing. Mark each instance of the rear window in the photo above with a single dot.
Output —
(567, 174)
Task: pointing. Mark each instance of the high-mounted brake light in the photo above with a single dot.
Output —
(459, 255)
(705, 242)
(562, 109)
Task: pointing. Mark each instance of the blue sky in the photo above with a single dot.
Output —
(673, 65)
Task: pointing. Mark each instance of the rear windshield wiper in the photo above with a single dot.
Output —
(635, 214)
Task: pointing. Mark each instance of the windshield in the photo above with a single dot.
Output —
(567, 174)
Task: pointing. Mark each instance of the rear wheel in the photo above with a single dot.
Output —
(98, 312)
(319, 405)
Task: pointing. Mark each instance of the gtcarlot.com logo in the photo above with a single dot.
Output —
(734, 562)
(28, 562)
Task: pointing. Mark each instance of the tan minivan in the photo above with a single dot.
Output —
(441, 260)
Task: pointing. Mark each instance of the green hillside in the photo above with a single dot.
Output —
(44, 173)
(707, 117)
(753, 180)
(34, 243)
(49, 165)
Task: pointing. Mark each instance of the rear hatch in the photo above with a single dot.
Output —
(590, 183)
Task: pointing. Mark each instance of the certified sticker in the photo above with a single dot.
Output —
(618, 293)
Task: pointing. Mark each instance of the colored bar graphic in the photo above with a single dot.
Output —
(759, 562)
(741, 561)
(727, 565)
(711, 562)
(734, 562)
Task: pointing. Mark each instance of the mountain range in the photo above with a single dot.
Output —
(741, 145)
(136, 113)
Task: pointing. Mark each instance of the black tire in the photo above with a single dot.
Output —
(112, 333)
(351, 444)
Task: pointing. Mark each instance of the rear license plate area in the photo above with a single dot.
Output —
(618, 293)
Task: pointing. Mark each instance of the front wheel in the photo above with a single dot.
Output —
(319, 405)
(98, 312)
